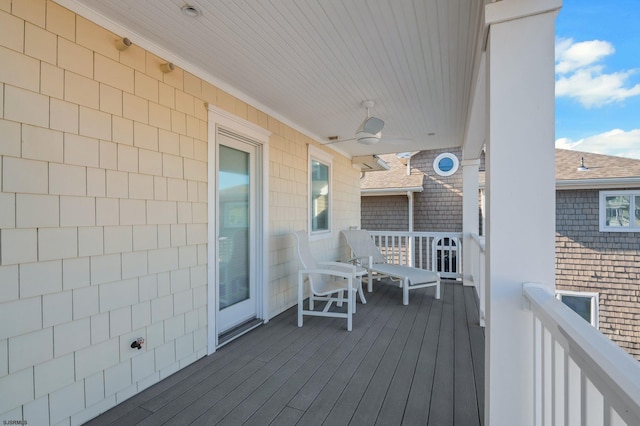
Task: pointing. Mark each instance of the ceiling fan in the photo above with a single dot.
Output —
(370, 130)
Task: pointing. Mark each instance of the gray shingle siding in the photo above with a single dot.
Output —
(604, 262)
(385, 213)
(439, 207)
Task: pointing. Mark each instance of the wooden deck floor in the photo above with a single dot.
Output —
(410, 365)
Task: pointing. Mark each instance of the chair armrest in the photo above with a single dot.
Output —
(331, 272)
(364, 261)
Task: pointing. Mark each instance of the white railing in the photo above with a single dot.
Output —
(436, 251)
(580, 376)
(477, 273)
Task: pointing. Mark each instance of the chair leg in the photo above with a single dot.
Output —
(360, 292)
(350, 306)
(300, 299)
(405, 291)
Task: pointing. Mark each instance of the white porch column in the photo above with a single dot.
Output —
(520, 195)
(470, 221)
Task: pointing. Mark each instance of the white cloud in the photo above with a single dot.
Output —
(614, 142)
(592, 88)
(581, 76)
(571, 56)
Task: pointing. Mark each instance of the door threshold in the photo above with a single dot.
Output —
(238, 331)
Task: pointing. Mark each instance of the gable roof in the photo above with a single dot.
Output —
(603, 171)
(394, 180)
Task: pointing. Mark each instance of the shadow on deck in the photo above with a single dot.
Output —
(416, 364)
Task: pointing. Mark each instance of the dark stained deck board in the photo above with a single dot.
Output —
(464, 383)
(476, 338)
(288, 416)
(377, 389)
(225, 395)
(442, 395)
(310, 389)
(318, 363)
(323, 343)
(346, 375)
(419, 398)
(395, 402)
(377, 366)
(415, 364)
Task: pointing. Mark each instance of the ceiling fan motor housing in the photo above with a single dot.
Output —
(368, 138)
(371, 125)
(370, 131)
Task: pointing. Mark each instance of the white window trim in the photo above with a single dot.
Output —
(327, 159)
(603, 211)
(595, 303)
(452, 157)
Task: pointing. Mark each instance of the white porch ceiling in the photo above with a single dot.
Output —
(312, 62)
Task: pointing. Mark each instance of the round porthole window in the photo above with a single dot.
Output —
(446, 164)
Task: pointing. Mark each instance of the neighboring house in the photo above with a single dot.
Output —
(597, 227)
(387, 196)
(598, 241)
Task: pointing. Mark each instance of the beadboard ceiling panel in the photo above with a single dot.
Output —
(312, 62)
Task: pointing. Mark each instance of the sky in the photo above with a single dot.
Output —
(598, 77)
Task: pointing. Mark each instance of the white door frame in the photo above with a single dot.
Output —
(219, 118)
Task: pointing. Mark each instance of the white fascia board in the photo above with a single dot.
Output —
(604, 183)
(389, 191)
(632, 182)
(503, 11)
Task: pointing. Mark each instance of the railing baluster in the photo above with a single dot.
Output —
(537, 372)
(583, 378)
(400, 248)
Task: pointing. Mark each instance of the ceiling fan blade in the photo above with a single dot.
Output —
(389, 139)
(371, 125)
(332, 141)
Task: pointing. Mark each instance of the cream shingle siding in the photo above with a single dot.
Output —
(104, 211)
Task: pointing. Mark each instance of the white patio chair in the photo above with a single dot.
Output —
(328, 282)
(369, 256)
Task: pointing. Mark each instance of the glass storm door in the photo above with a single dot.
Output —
(237, 301)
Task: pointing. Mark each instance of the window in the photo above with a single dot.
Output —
(319, 191)
(620, 211)
(583, 303)
(446, 164)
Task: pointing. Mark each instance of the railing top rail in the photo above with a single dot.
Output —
(614, 367)
(416, 234)
(479, 240)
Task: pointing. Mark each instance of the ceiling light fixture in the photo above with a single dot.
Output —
(167, 67)
(123, 43)
(190, 11)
